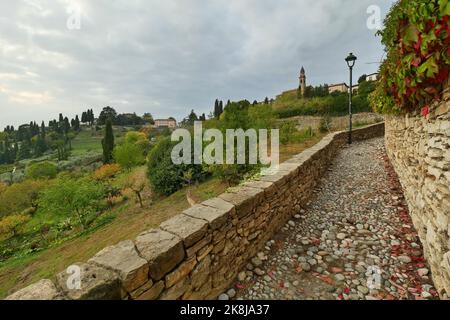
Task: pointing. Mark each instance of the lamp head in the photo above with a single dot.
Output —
(351, 59)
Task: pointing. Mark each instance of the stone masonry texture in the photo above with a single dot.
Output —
(419, 149)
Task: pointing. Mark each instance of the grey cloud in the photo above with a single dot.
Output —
(167, 57)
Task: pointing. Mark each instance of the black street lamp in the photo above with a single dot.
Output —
(351, 59)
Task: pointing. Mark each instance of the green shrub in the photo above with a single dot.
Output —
(78, 199)
(128, 155)
(325, 124)
(41, 170)
(166, 177)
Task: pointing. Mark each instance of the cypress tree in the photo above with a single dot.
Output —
(216, 109)
(43, 130)
(77, 123)
(220, 108)
(108, 142)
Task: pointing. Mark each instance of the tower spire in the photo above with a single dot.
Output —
(302, 87)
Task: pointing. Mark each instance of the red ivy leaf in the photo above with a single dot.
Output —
(425, 111)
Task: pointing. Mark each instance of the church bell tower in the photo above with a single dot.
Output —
(302, 87)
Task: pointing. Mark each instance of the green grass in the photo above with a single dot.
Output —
(86, 142)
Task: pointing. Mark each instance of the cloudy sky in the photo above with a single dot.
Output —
(167, 57)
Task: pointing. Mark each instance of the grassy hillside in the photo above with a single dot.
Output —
(336, 104)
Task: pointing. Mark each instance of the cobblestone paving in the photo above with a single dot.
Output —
(354, 240)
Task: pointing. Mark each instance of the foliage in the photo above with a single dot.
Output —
(189, 120)
(137, 182)
(417, 39)
(21, 196)
(287, 129)
(128, 155)
(325, 124)
(139, 139)
(108, 142)
(166, 177)
(106, 114)
(41, 170)
(3, 187)
(106, 172)
(147, 117)
(12, 223)
(73, 198)
(288, 105)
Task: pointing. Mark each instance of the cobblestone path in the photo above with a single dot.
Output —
(354, 240)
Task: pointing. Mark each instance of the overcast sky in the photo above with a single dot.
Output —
(167, 57)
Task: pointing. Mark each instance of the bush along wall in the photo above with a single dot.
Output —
(417, 39)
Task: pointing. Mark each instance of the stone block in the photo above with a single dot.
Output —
(220, 204)
(176, 291)
(153, 292)
(244, 199)
(215, 217)
(163, 250)
(269, 187)
(181, 272)
(189, 229)
(42, 290)
(191, 251)
(96, 283)
(124, 259)
(201, 273)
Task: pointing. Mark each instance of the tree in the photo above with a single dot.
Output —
(190, 119)
(220, 108)
(76, 125)
(84, 117)
(91, 117)
(43, 132)
(108, 142)
(362, 79)
(137, 183)
(77, 198)
(107, 113)
(106, 172)
(24, 151)
(21, 196)
(166, 177)
(148, 118)
(41, 170)
(128, 155)
(139, 139)
(66, 125)
(12, 224)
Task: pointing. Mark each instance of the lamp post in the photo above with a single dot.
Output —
(351, 59)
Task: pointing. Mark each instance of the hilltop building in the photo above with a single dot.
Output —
(339, 87)
(165, 123)
(372, 77)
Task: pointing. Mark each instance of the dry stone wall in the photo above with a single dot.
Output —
(198, 253)
(419, 149)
